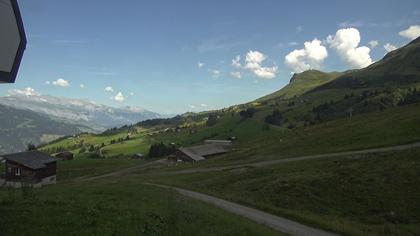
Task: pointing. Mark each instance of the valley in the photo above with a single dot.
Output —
(333, 151)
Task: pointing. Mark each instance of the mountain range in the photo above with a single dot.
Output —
(33, 118)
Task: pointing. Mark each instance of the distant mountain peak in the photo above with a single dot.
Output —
(77, 111)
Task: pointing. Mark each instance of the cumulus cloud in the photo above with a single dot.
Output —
(109, 89)
(236, 75)
(411, 33)
(25, 92)
(119, 97)
(236, 62)
(131, 93)
(310, 57)
(191, 106)
(61, 82)
(346, 43)
(373, 44)
(203, 105)
(253, 62)
(389, 47)
(47, 82)
(200, 65)
(82, 86)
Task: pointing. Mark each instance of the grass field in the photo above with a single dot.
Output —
(378, 194)
(113, 206)
(68, 170)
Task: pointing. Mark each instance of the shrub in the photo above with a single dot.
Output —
(276, 118)
(248, 113)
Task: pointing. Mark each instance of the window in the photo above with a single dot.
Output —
(18, 173)
(9, 170)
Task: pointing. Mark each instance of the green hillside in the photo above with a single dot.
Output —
(301, 83)
(398, 68)
(317, 113)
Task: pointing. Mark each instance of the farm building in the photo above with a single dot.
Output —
(219, 142)
(200, 152)
(65, 156)
(31, 168)
(138, 156)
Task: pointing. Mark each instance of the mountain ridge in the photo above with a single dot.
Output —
(78, 111)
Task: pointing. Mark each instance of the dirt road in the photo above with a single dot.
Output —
(293, 159)
(272, 221)
(275, 222)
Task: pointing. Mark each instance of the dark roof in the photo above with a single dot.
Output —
(198, 153)
(221, 142)
(67, 153)
(31, 159)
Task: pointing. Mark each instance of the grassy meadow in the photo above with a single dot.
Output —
(112, 206)
(375, 194)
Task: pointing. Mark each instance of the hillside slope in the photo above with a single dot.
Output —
(301, 83)
(398, 68)
(20, 127)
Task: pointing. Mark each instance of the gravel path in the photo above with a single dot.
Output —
(293, 159)
(278, 223)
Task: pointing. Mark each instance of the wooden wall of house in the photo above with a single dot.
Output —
(29, 174)
(24, 171)
(49, 170)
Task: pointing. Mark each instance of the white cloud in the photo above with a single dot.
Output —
(215, 73)
(299, 29)
(293, 43)
(373, 44)
(82, 86)
(310, 57)
(47, 82)
(236, 62)
(109, 89)
(346, 43)
(26, 92)
(191, 106)
(389, 47)
(253, 62)
(200, 65)
(236, 75)
(119, 97)
(411, 33)
(61, 82)
(131, 94)
(203, 105)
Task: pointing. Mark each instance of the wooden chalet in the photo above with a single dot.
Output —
(31, 168)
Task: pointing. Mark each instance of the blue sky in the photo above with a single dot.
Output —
(149, 51)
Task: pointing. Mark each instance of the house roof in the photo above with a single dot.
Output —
(66, 153)
(210, 141)
(191, 154)
(31, 159)
(198, 153)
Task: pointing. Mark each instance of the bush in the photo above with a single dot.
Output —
(160, 150)
(276, 118)
(212, 120)
(248, 113)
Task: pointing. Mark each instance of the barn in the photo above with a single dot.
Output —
(199, 152)
(31, 168)
(65, 156)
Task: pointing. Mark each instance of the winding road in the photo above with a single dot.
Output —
(278, 223)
